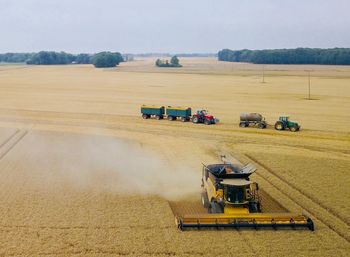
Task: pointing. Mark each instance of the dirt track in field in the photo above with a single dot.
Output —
(81, 174)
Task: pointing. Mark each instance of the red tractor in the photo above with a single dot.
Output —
(203, 117)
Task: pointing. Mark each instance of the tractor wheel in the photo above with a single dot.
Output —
(207, 122)
(145, 116)
(183, 119)
(195, 119)
(279, 125)
(204, 199)
(158, 117)
(293, 129)
(215, 208)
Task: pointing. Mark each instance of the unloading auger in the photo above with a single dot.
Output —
(233, 202)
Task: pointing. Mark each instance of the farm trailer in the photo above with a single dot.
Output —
(171, 113)
(149, 111)
(178, 112)
(255, 119)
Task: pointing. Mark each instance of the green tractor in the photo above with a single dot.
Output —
(284, 123)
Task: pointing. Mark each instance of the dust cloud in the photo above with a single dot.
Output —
(108, 164)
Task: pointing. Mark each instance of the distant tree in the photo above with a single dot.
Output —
(174, 61)
(159, 63)
(83, 59)
(106, 59)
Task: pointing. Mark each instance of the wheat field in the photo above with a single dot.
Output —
(82, 174)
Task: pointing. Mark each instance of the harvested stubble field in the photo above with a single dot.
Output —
(82, 174)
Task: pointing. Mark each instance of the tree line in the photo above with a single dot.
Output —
(99, 60)
(332, 56)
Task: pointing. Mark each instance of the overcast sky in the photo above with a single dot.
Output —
(173, 26)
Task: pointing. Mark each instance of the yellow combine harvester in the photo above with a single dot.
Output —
(233, 201)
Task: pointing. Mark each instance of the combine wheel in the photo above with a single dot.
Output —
(279, 125)
(215, 208)
(195, 119)
(254, 207)
(204, 199)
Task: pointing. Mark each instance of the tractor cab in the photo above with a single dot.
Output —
(284, 118)
(202, 112)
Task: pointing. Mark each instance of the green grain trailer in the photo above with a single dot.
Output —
(178, 112)
(148, 111)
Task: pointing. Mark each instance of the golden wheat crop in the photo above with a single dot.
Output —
(82, 174)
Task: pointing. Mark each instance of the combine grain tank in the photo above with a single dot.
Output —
(255, 119)
(179, 112)
(148, 111)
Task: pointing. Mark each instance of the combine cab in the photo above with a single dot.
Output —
(233, 201)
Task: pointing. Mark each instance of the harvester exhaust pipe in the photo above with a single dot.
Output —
(223, 157)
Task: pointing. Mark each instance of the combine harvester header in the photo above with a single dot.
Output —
(233, 201)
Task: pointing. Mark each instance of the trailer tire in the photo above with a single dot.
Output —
(204, 199)
(158, 117)
(145, 116)
(183, 119)
(241, 124)
(262, 125)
